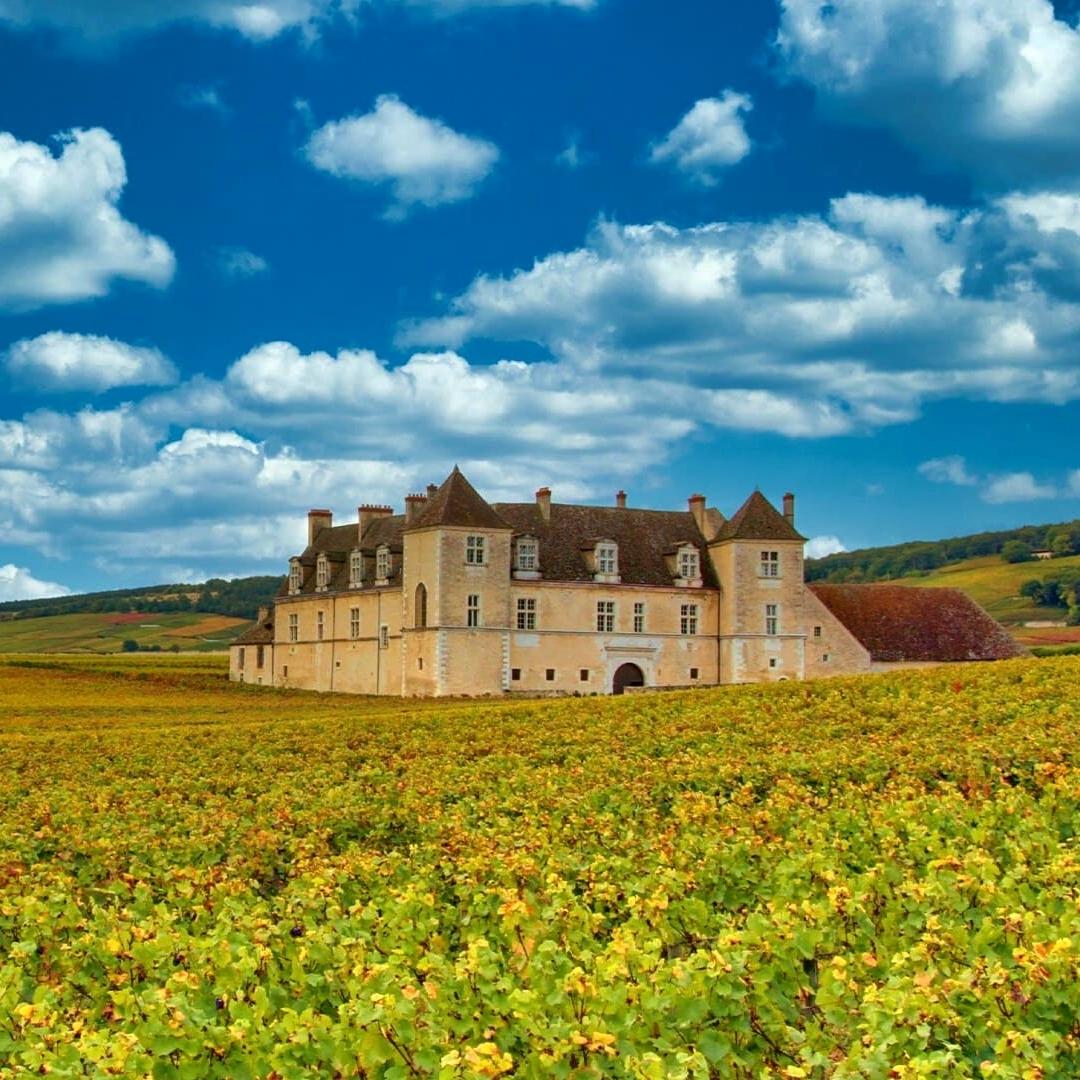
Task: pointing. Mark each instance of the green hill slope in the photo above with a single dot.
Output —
(106, 633)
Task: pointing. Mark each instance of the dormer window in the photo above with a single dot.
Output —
(382, 564)
(607, 558)
(356, 569)
(527, 554)
(322, 573)
(475, 550)
(689, 564)
(770, 564)
(295, 579)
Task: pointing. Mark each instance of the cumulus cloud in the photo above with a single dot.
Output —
(711, 137)
(990, 86)
(257, 20)
(423, 161)
(844, 321)
(62, 237)
(1017, 487)
(239, 263)
(17, 583)
(60, 361)
(948, 470)
(819, 546)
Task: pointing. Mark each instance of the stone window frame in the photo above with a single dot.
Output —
(472, 611)
(354, 623)
(639, 617)
(769, 564)
(384, 636)
(320, 625)
(607, 558)
(294, 627)
(356, 568)
(322, 572)
(689, 562)
(384, 564)
(296, 576)
(772, 620)
(527, 613)
(475, 549)
(688, 619)
(605, 616)
(527, 554)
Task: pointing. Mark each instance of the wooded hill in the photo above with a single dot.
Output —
(240, 598)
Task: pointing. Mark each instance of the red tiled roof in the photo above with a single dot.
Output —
(896, 623)
(758, 519)
(457, 502)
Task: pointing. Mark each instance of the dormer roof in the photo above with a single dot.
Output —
(457, 502)
(758, 519)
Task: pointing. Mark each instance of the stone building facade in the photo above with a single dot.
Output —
(458, 596)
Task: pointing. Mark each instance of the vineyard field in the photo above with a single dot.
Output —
(873, 877)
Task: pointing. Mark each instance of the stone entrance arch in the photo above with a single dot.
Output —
(627, 675)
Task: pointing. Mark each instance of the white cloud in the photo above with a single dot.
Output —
(240, 263)
(257, 20)
(17, 583)
(992, 86)
(571, 156)
(820, 546)
(1016, 487)
(424, 161)
(60, 361)
(62, 237)
(711, 137)
(202, 97)
(948, 470)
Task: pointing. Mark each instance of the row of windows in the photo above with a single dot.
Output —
(260, 656)
(584, 674)
(320, 628)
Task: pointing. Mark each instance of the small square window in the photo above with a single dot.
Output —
(825, 658)
(584, 674)
(550, 674)
(693, 673)
(515, 674)
(772, 661)
(817, 631)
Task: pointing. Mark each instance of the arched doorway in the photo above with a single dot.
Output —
(627, 675)
(420, 610)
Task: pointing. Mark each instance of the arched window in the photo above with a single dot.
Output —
(420, 608)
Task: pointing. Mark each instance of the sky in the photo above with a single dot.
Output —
(258, 256)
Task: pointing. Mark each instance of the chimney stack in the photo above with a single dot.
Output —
(696, 505)
(789, 509)
(414, 507)
(317, 520)
(367, 514)
(431, 490)
(543, 501)
(620, 499)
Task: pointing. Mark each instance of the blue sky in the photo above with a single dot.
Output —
(256, 257)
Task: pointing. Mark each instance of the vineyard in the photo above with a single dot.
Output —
(874, 877)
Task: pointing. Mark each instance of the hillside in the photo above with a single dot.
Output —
(91, 632)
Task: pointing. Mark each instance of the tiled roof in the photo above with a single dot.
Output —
(897, 623)
(337, 542)
(260, 633)
(758, 519)
(643, 536)
(457, 503)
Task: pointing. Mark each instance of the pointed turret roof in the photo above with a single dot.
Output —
(458, 503)
(758, 519)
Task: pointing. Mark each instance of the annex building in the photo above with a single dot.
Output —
(458, 596)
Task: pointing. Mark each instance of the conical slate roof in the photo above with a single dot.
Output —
(457, 503)
(758, 519)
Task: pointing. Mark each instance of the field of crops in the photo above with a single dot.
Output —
(94, 632)
(874, 877)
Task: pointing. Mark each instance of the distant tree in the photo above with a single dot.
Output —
(1033, 590)
(130, 645)
(1016, 551)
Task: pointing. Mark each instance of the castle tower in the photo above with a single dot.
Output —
(456, 595)
(758, 558)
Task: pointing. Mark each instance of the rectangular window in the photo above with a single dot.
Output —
(817, 631)
(294, 627)
(584, 673)
(294, 577)
(515, 674)
(285, 672)
(688, 619)
(825, 658)
(550, 674)
(772, 661)
(526, 555)
(770, 564)
(356, 568)
(605, 616)
(693, 673)
(382, 564)
(354, 623)
(689, 565)
(472, 610)
(320, 625)
(526, 613)
(240, 659)
(260, 656)
(322, 573)
(639, 618)
(474, 550)
(772, 619)
(384, 636)
(607, 559)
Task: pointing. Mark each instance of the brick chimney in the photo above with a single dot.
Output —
(789, 509)
(696, 505)
(368, 513)
(317, 520)
(414, 507)
(620, 499)
(543, 502)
